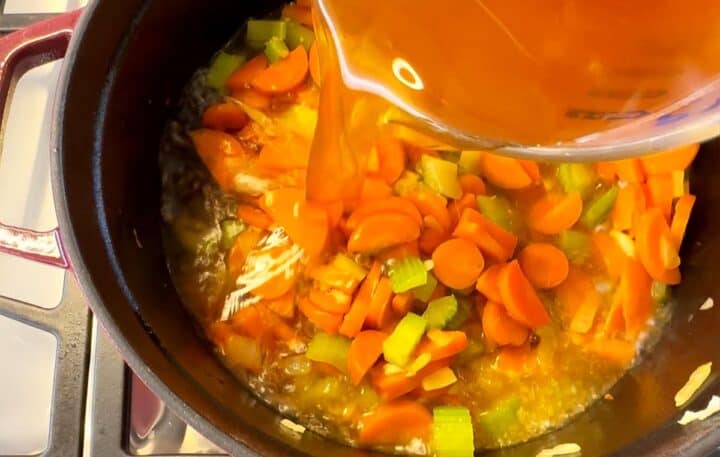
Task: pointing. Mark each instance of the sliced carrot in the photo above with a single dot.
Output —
(244, 243)
(391, 159)
(608, 251)
(630, 202)
(443, 344)
(629, 170)
(520, 298)
(331, 300)
(517, 360)
(544, 265)
(457, 207)
(305, 224)
(680, 219)
(458, 263)
(487, 283)
(383, 205)
(381, 231)
(392, 386)
(283, 306)
(669, 161)
(431, 204)
(355, 318)
(284, 75)
(328, 322)
(253, 98)
(258, 322)
(573, 292)
(495, 242)
(380, 312)
(584, 318)
(402, 303)
(430, 239)
(284, 154)
(616, 351)
(500, 328)
(334, 211)
(554, 213)
(254, 216)
(505, 172)
(243, 76)
(472, 184)
(298, 13)
(395, 423)
(225, 116)
(615, 322)
(314, 63)
(660, 193)
(654, 246)
(606, 170)
(365, 350)
(373, 188)
(635, 285)
(221, 153)
(282, 281)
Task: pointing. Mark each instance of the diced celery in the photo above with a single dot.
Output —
(260, 32)
(577, 177)
(470, 162)
(230, 228)
(222, 67)
(276, 49)
(347, 265)
(399, 346)
(575, 244)
(464, 311)
(330, 349)
(299, 35)
(441, 175)
(498, 210)
(452, 432)
(439, 311)
(407, 183)
(407, 273)
(503, 416)
(599, 209)
(424, 292)
(660, 292)
(299, 119)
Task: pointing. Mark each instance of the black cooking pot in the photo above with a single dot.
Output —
(127, 63)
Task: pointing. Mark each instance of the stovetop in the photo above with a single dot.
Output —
(64, 389)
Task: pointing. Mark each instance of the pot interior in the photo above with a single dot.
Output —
(128, 63)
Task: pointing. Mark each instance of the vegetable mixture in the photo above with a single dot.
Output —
(465, 301)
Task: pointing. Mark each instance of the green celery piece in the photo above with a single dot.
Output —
(347, 265)
(440, 311)
(399, 346)
(424, 292)
(452, 432)
(230, 229)
(299, 35)
(330, 349)
(498, 210)
(575, 244)
(276, 49)
(577, 177)
(500, 418)
(441, 176)
(463, 313)
(599, 209)
(471, 162)
(660, 292)
(260, 32)
(222, 67)
(406, 274)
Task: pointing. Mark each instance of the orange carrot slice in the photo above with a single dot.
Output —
(221, 153)
(443, 344)
(254, 216)
(495, 242)
(606, 170)
(654, 247)
(487, 283)
(680, 219)
(576, 290)
(629, 203)
(225, 116)
(472, 184)
(283, 306)
(554, 213)
(532, 169)
(431, 204)
(381, 231)
(284, 154)
(431, 238)
(364, 351)
(611, 255)
(285, 75)
(544, 265)
(637, 305)
(395, 423)
(500, 328)
(391, 159)
(629, 170)
(505, 172)
(669, 161)
(458, 263)
(516, 360)
(402, 303)
(457, 207)
(519, 297)
(243, 76)
(660, 193)
(380, 312)
(355, 318)
(331, 300)
(305, 224)
(328, 322)
(253, 98)
(384, 205)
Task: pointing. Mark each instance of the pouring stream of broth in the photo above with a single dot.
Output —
(509, 74)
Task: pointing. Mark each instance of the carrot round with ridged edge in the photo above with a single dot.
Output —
(520, 298)
(554, 213)
(544, 265)
(395, 423)
(365, 349)
(458, 263)
(284, 75)
(381, 231)
(500, 328)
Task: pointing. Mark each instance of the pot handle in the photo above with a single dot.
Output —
(19, 51)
